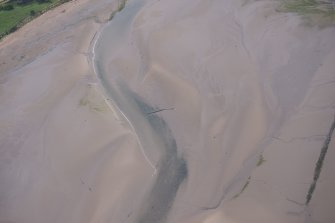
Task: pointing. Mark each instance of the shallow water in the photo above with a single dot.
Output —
(157, 142)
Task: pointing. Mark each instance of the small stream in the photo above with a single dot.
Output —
(155, 138)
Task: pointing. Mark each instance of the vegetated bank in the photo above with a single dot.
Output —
(15, 13)
(321, 11)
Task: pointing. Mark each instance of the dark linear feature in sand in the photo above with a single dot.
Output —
(319, 163)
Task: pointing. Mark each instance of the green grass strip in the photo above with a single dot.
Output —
(11, 20)
(326, 8)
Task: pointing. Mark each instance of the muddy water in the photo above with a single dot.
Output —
(155, 138)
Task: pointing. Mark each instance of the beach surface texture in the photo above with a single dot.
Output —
(168, 111)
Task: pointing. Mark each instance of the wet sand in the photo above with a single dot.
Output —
(175, 111)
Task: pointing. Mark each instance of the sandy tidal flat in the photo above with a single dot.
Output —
(174, 111)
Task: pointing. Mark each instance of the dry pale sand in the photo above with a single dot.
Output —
(211, 111)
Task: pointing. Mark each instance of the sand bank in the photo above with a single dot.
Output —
(177, 111)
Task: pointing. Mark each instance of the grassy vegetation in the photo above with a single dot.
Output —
(21, 13)
(322, 10)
